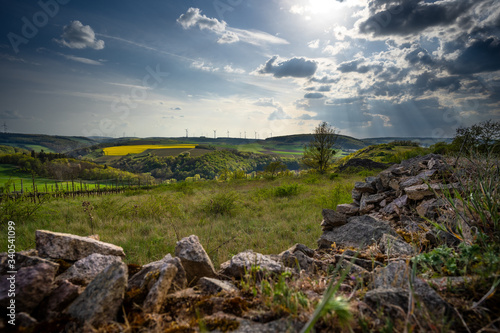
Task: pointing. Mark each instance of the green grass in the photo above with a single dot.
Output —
(39, 148)
(147, 224)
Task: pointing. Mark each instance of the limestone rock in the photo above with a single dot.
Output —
(369, 265)
(347, 209)
(194, 259)
(85, 270)
(363, 187)
(393, 246)
(418, 192)
(355, 194)
(32, 284)
(300, 247)
(395, 298)
(102, 298)
(297, 260)
(25, 321)
(397, 275)
(58, 300)
(215, 286)
(332, 219)
(153, 269)
(360, 231)
(71, 247)
(158, 292)
(243, 262)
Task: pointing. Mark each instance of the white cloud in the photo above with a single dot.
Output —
(82, 60)
(204, 67)
(336, 48)
(266, 102)
(227, 35)
(385, 119)
(79, 36)
(193, 17)
(279, 114)
(314, 44)
(230, 69)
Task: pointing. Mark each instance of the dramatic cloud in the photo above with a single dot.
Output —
(353, 66)
(314, 95)
(410, 17)
(79, 36)
(228, 35)
(193, 17)
(294, 67)
(480, 56)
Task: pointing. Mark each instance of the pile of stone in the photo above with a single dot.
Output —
(401, 195)
(86, 282)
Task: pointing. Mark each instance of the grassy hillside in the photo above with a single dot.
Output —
(48, 143)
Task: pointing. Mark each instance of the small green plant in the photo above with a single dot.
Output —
(224, 203)
(331, 303)
(286, 190)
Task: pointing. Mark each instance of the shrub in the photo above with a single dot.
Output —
(286, 190)
(223, 203)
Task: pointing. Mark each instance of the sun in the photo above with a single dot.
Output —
(322, 6)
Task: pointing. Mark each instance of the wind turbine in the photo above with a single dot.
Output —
(187, 133)
(215, 134)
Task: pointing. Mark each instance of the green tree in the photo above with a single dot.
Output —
(319, 152)
(275, 167)
(482, 137)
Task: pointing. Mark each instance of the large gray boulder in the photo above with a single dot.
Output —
(102, 298)
(332, 219)
(215, 286)
(243, 262)
(359, 231)
(32, 284)
(158, 292)
(58, 245)
(152, 271)
(397, 275)
(85, 270)
(393, 246)
(194, 259)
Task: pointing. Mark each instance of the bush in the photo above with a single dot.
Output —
(286, 190)
(223, 203)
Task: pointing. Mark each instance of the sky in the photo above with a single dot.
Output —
(254, 68)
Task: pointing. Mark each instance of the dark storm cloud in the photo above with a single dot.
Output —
(314, 95)
(409, 17)
(480, 56)
(419, 56)
(353, 66)
(429, 82)
(325, 79)
(294, 67)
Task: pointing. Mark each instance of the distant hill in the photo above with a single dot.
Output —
(49, 143)
(424, 142)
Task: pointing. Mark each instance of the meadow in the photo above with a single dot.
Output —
(266, 215)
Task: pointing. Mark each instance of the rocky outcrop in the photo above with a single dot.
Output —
(194, 259)
(359, 231)
(85, 270)
(102, 298)
(57, 245)
(243, 262)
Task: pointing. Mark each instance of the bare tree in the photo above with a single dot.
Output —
(319, 152)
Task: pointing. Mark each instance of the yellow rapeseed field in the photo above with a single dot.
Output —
(124, 150)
